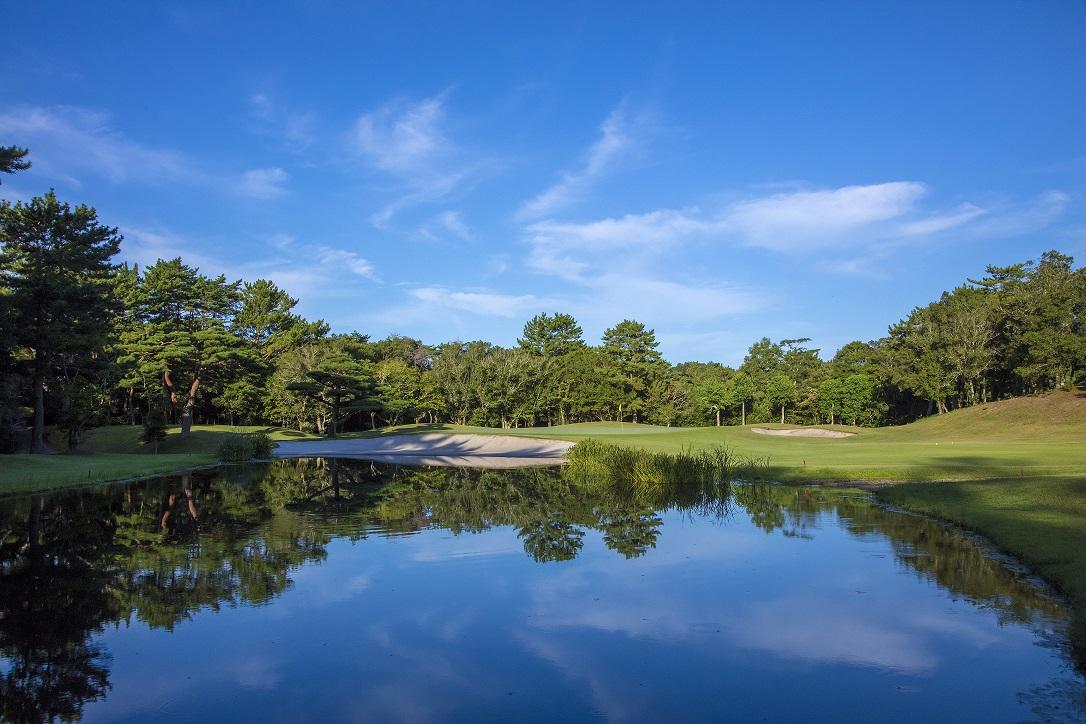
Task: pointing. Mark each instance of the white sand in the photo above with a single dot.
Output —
(482, 451)
(801, 432)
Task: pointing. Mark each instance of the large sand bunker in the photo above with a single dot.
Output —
(801, 432)
(479, 451)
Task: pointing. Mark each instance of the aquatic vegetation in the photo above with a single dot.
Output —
(597, 464)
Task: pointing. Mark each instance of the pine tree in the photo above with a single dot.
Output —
(57, 270)
(13, 158)
(632, 347)
(183, 338)
(551, 336)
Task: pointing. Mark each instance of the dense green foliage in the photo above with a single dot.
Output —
(56, 279)
(241, 447)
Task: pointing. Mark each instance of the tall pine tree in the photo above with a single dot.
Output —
(56, 266)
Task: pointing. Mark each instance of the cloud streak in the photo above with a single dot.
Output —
(619, 137)
(67, 142)
(407, 143)
(841, 220)
(263, 183)
(66, 139)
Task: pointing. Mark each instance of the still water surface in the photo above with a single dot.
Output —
(342, 590)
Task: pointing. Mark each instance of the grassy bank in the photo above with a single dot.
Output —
(1042, 521)
(115, 453)
(34, 473)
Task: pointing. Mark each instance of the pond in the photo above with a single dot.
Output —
(335, 590)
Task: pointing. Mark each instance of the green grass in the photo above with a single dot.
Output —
(204, 439)
(115, 453)
(35, 473)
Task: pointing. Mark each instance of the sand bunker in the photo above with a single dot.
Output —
(801, 432)
(477, 451)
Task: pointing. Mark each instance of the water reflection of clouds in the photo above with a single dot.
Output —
(446, 546)
(848, 613)
(813, 631)
(255, 671)
(615, 697)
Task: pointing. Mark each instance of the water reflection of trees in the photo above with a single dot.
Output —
(940, 553)
(159, 552)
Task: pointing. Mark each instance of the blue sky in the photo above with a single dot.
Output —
(719, 171)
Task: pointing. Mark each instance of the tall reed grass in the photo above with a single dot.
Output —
(689, 478)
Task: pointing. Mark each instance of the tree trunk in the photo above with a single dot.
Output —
(717, 418)
(744, 412)
(186, 417)
(782, 414)
(37, 435)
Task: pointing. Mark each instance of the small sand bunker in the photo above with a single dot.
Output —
(801, 432)
(481, 451)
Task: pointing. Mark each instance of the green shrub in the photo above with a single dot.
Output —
(237, 448)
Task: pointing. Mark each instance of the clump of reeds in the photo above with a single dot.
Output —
(685, 479)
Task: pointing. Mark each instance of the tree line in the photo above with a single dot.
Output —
(87, 341)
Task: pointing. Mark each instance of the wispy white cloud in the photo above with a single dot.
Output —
(349, 260)
(68, 143)
(403, 138)
(1014, 218)
(620, 136)
(65, 140)
(293, 129)
(308, 271)
(814, 219)
(562, 248)
(407, 142)
(480, 303)
(942, 222)
(442, 227)
(454, 224)
(263, 183)
(849, 221)
(597, 303)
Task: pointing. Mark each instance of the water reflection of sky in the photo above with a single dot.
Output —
(719, 620)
